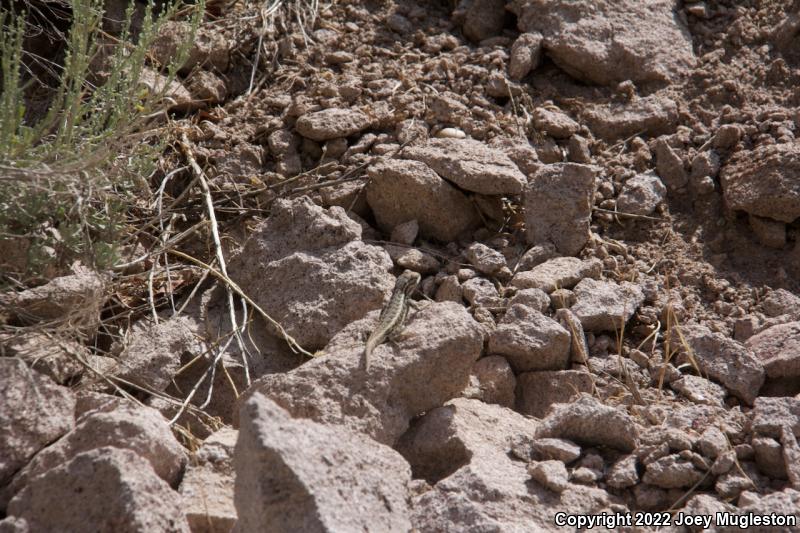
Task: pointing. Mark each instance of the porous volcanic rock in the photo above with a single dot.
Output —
(723, 359)
(610, 41)
(558, 273)
(467, 448)
(778, 348)
(587, 421)
(76, 299)
(605, 305)
(35, 412)
(530, 340)
(133, 427)
(308, 269)
(764, 181)
(651, 115)
(329, 478)
(152, 352)
(558, 206)
(426, 365)
(332, 123)
(105, 489)
(401, 190)
(537, 391)
(207, 486)
(492, 381)
(470, 164)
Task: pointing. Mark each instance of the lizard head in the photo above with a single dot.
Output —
(407, 282)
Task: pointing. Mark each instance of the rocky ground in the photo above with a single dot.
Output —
(602, 199)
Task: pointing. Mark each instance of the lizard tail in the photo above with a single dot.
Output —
(367, 353)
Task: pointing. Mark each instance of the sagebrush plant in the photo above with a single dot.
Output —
(68, 176)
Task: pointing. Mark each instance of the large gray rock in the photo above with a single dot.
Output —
(530, 341)
(764, 181)
(605, 305)
(520, 151)
(705, 505)
(43, 355)
(699, 390)
(449, 290)
(546, 449)
(284, 146)
(609, 41)
(300, 225)
(107, 490)
(589, 422)
(484, 19)
(769, 232)
(641, 194)
(207, 87)
(34, 412)
(425, 366)
(785, 502)
(535, 256)
(128, 426)
(770, 415)
(675, 439)
(152, 353)
(534, 298)
(558, 273)
(551, 474)
(778, 349)
(298, 475)
(307, 268)
(209, 49)
(558, 206)
(208, 484)
(467, 448)
(491, 381)
(672, 472)
(59, 360)
(623, 473)
(485, 259)
(781, 302)
(723, 359)
(332, 123)
(537, 391)
(670, 165)
(75, 299)
(400, 190)
(470, 164)
(495, 493)
(652, 115)
(526, 54)
(555, 123)
(240, 162)
(481, 292)
(688, 417)
(176, 97)
(448, 437)
(769, 457)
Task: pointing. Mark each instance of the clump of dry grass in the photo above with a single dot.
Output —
(85, 175)
(68, 174)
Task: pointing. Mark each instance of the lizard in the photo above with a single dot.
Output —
(394, 312)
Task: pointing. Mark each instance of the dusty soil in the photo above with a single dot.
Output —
(658, 371)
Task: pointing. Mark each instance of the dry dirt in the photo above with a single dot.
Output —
(654, 143)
